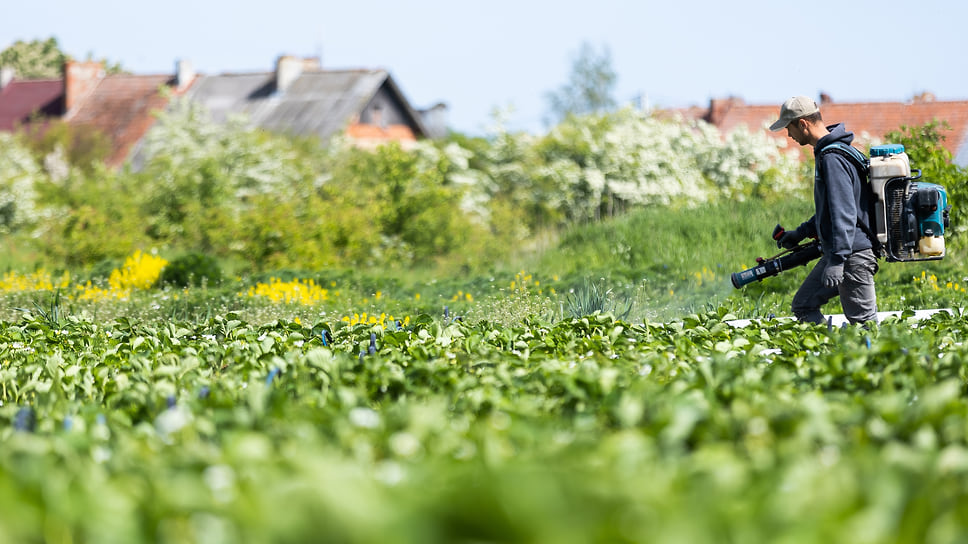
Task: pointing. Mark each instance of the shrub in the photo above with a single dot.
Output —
(83, 147)
(101, 272)
(193, 269)
(19, 175)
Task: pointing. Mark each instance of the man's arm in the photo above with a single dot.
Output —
(838, 178)
(808, 229)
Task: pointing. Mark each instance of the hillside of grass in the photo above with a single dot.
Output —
(672, 261)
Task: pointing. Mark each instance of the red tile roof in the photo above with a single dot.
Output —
(867, 121)
(122, 107)
(21, 99)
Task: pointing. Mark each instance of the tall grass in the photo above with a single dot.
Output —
(675, 261)
(654, 264)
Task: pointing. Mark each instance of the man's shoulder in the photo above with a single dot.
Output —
(841, 156)
(843, 149)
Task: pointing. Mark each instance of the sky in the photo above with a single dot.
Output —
(506, 56)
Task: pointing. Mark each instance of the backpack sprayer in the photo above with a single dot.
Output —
(909, 216)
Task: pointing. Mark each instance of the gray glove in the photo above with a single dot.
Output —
(789, 240)
(833, 275)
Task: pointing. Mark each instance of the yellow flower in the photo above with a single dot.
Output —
(382, 320)
(140, 271)
(35, 281)
(304, 292)
(93, 293)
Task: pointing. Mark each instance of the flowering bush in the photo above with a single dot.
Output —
(304, 292)
(594, 166)
(231, 191)
(140, 271)
(19, 175)
(40, 280)
(743, 163)
(185, 142)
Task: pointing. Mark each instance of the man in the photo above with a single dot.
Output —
(841, 198)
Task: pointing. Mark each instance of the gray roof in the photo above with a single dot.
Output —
(317, 102)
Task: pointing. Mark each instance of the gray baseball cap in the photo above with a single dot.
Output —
(792, 109)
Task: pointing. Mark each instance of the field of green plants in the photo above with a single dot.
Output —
(439, 345)
(443, 430)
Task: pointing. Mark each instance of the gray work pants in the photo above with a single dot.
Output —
(857, 296)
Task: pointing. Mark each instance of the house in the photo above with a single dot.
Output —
(298, 97)
(301, 98)
(120, 106)
(869, 121)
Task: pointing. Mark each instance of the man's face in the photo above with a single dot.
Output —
(796, 132)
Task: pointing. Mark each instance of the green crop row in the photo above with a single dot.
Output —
(586, 429)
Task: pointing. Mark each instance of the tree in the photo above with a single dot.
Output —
(42, 59)
(34, 60)
(589, 88)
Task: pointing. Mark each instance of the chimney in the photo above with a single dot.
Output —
(312, 64)
(80, 78)
(7, 74)
(719, 107)
(184, 74)
(288, 70)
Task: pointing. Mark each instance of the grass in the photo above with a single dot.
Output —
(676, 261)
(656, 264)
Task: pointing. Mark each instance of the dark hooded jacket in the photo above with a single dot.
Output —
(840, 201)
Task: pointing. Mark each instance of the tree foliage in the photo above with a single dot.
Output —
(42, 59)
(68, 145)
(590, 87)
(236, 192)
(36, 59)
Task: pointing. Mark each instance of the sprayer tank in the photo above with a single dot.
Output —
(887, 162)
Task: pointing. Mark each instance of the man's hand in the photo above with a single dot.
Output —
(833, 275)
(789, 240)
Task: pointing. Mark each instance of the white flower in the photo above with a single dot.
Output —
(365, 418)
(404, 444)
